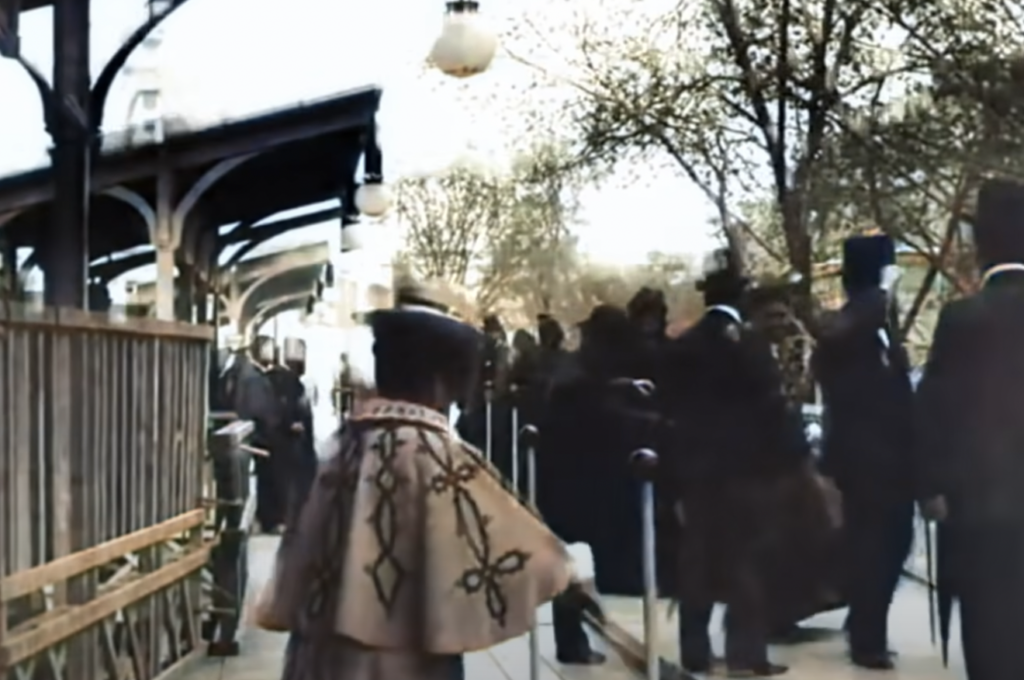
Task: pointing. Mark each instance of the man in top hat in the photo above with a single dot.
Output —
(970, 443)
(410, 551)
(864, 374)
(734, 438)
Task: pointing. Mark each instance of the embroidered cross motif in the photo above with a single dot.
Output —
(386, 572)
(486, 575)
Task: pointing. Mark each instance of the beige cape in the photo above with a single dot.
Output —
(410, 541)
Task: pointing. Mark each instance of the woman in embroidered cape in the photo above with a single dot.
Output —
(409, 551)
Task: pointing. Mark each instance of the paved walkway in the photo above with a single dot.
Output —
(263, 652)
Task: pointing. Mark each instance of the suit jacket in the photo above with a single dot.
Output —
(725, 392)
(865, 381)
(969, 411)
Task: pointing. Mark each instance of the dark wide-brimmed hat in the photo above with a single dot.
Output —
(722, 266)
(419, 309)
(999, 223)
(607, 322)
(647, 301)
(864, 258)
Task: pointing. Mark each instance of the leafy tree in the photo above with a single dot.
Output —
(803, 121)
(594, 284)
(505, 236)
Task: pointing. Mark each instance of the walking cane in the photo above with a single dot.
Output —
(489, 419)
(515, 442)
(530, 436)
(644, 463)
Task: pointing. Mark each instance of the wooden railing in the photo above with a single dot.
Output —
(102, 454)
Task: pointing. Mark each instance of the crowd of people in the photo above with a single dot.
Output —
(412, 548)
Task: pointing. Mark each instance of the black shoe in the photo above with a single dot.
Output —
(590, 658)
(765, 669)
(698, 665)
(873, 662)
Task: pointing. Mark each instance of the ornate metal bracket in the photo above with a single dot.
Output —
(56, 112)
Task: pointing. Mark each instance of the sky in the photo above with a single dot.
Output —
(229, 58)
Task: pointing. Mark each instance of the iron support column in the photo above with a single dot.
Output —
(66, 253)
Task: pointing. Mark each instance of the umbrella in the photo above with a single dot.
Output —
(945, 585)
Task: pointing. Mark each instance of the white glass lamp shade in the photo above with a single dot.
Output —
(374, 200)
(467, 44)
(353, 237)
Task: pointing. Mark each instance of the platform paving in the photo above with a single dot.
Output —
(263, 652)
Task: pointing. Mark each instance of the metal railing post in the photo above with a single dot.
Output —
(233, 518)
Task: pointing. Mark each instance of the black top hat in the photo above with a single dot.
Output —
(864, 257)
(999, 223)
(419, 311)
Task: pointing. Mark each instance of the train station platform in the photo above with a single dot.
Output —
(263, 652)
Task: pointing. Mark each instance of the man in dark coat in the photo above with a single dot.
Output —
(592, 420)
(970, 442)
(863, 371)
(735, 440)
(256, 399)
(300, 437)
(648, 312)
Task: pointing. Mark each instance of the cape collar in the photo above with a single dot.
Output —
(378, 409)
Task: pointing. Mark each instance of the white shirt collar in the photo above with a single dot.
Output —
(999, 269)
(728, 310)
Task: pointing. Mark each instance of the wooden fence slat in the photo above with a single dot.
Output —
(25, 645)
(28, 581)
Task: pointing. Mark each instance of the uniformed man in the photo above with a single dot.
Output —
(734, 440)
(864, 374)
(970, 442)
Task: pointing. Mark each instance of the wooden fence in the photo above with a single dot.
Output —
(102, 447)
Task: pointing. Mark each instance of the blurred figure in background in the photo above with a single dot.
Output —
(257, 399)
(300, 438)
